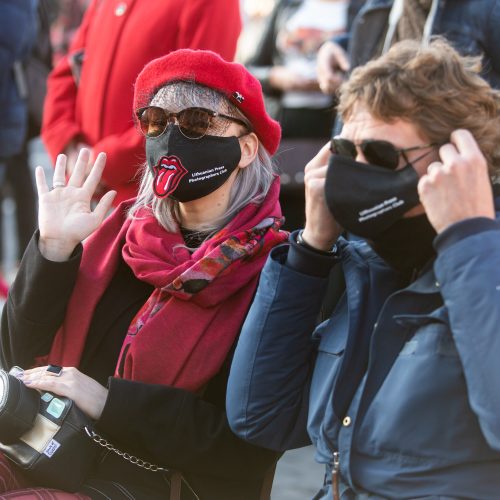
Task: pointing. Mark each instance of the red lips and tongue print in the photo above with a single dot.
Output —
(168, 172)
(188, 169)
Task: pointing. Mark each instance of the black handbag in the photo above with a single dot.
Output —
(45, 435)
(54, 442)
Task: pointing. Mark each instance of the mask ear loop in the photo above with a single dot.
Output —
(407, 161)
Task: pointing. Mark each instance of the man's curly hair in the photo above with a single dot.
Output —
(432, 87)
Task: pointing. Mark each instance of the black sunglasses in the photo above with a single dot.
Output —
(193, 122)
(381, 153)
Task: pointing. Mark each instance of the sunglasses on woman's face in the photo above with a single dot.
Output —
(377, 152)
(193, 122)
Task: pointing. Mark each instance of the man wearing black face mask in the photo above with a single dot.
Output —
(397, 388)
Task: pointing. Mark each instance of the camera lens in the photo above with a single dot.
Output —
(18, 407)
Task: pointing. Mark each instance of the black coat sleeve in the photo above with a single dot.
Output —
(35, 306)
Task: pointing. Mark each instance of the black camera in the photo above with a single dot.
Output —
(45, 434)
(19, 406)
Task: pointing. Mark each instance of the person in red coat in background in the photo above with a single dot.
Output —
(90, 91)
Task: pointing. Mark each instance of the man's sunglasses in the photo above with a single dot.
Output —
(381, 153)
(193, 122)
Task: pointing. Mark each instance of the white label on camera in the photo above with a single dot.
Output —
(52, 447)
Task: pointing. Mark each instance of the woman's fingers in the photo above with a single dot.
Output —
(59, 177)
(94, 177)
(32, 371)
(79, 177)
(41, 181)
(80, 169)
(41, 378)
(104, 205)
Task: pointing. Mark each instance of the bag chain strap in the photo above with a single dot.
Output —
(127, 456)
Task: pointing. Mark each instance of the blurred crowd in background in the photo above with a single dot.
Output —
(279, 41)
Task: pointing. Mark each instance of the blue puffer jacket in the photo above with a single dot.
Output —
(471, 26)
(18, 25)
(422, 419)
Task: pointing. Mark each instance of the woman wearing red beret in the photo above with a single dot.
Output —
(144, 315)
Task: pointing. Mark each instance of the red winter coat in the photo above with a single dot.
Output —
(118, 38)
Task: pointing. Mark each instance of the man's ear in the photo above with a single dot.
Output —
(249, 147)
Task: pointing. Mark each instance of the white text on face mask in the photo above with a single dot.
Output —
(379, 209)
(207, 174)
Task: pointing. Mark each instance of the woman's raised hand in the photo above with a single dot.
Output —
(65, 217)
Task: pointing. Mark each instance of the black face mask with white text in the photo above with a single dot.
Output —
(188, 169)
(369, 201)
(366, 199)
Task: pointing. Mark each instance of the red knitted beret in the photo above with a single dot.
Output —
(208, 68)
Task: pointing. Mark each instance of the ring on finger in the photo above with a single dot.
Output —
(58, 184)
(54, 370)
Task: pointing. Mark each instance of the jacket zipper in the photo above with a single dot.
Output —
(335, 475)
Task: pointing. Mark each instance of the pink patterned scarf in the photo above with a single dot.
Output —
(184, 331)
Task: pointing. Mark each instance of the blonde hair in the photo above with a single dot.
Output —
(432, 87)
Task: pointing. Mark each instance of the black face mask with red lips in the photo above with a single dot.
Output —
(188, 169)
